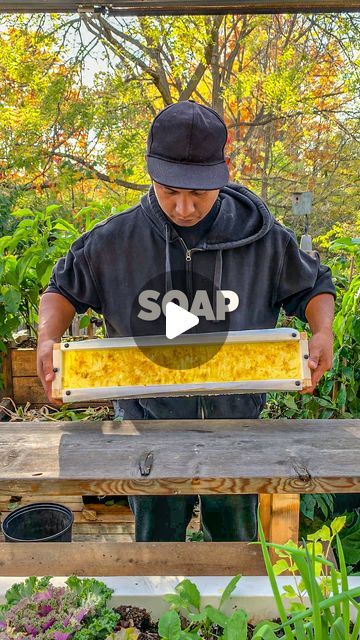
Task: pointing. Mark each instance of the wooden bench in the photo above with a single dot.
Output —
(278, 459)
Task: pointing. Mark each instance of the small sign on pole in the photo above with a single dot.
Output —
(301, 206)
(301, 203)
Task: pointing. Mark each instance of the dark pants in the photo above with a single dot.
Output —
(223, 518)
(165, 518)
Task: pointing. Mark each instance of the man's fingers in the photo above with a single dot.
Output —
(305, 390)
(316, 376)
(320, 358)
(314, 359)
(55, 401)
(48, 390)
(45, 370)
(47, 365)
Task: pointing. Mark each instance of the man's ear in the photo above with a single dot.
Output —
(227, 160)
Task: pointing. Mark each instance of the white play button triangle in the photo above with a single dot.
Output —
(178, 320)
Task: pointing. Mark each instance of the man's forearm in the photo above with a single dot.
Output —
(319, 313)
(55, 316)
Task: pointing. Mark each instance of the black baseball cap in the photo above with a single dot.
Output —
(185, 147)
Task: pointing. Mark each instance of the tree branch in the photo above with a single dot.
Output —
(99, 174)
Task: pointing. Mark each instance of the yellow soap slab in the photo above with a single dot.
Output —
(131, 367)
(116, 368)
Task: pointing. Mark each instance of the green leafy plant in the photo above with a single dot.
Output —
(311, 503)
(338, 393)
(186, 602)
(350, 540)
(29, 254)
(328, 614)
(325, 536)
(314, 519)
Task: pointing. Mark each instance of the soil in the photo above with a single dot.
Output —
(26, 343)
(141, 619)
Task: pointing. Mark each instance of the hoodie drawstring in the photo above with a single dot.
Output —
(168, 276)
(217, 276)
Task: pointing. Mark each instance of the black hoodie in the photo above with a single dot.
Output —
(245, 251)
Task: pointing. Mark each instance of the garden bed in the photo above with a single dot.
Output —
(253, 594)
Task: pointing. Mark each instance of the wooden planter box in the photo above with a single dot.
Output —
(21, 382)
(20, 378)
(252, 593)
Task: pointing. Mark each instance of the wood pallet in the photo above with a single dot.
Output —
(180, 457)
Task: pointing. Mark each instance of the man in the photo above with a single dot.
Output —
(192, 223)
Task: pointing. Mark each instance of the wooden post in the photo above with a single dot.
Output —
(265, 512)
(284, 519)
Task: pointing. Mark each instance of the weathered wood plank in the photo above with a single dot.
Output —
(76, 502)
(125, 559)
(78, 536)
(100, 528)
(103, 538)
(187, 457)
(164, 7)
(113, 516)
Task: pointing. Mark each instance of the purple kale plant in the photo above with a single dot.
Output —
(53, 614)
(56, 613)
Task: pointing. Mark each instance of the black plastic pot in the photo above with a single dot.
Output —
(39, 522)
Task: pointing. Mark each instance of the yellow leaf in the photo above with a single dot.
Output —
(337, 524)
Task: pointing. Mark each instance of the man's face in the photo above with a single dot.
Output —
(185, 207)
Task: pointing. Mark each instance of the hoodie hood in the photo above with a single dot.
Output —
(243, 218)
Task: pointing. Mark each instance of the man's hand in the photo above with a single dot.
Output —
(45, 368)
(55, 316)
(321, 357)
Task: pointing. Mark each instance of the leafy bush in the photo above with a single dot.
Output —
(317, 580)
(338, 393)
(29, 254)
(38, 239)
(328, 616)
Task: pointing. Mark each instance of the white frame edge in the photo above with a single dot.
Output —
(261, 335)
(211, 388)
